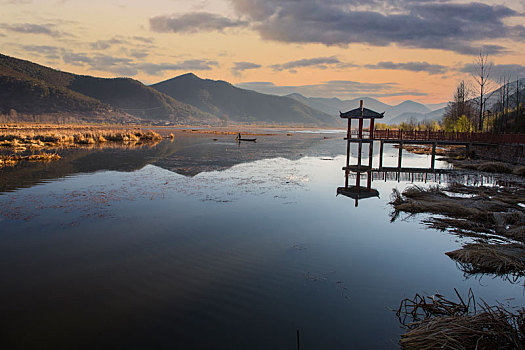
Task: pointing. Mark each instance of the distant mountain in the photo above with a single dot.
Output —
(494, 98)
(332, 106)
(30, 88)
(237, 105)
(436, 106)
(436, 115)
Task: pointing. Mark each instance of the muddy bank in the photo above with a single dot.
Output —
(512, 154)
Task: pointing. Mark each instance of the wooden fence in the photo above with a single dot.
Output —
(449, 136)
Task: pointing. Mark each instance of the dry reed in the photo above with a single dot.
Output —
(491, 214)
(498, 259)
(23, 137)
(12, 160)
(438, 323)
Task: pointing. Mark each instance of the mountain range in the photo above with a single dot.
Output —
(238, 105)
(393, 114)
(31, 90)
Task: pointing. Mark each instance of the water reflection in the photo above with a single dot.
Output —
(187, 156)
(202, 244)
(441, 174)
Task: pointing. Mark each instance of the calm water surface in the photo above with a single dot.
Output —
(207, 244)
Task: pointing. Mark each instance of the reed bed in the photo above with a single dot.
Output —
(424, 149)
(12, 160)
(434, 322)
(456, 156)
(33, 137)
(498, 259)
(494, 216)
(497, 210)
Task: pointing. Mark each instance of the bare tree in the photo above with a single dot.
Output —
(461, 106)
(481, 76)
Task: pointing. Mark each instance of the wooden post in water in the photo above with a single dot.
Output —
(371, 148)
(361, 121)
(347, 161)
(381, 145)
(400, 155)
(433, 161)
(298, 341)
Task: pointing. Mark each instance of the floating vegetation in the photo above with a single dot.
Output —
(494, 216)
(12, 160)
(434, 322)
(486, 258)
(493, 210)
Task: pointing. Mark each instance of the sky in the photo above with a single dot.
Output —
(392, 50)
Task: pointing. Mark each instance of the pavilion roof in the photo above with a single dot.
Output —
(364, 113)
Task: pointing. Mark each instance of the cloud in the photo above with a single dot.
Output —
(106, 63)
(239, 67)
(419, 24)
(29, 28)
(42, 49)
(129, 67)
(498, 71)
(188, 65)
(193, 22)
(144, 40)
(17, 2)
(410, 66)
(105, 44)
(317, 62)
(343, 89)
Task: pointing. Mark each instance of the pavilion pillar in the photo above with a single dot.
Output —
(400, 157)
(381, 146)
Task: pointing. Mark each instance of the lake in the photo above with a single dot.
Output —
(197, 243)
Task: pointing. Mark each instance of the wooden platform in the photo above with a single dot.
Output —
(365, 169)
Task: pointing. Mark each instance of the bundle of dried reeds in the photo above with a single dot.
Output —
(438, 323)
(499, 259)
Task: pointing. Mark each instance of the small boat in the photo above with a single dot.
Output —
(250, 140)
(239, 139)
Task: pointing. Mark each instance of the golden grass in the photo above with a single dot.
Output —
(438, 323)
(12, 160)
(23, 137)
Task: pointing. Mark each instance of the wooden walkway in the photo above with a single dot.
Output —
(442, 137)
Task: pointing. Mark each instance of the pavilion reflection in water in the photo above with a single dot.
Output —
(364, 174)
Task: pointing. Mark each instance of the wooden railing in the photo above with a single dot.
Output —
(447, 136)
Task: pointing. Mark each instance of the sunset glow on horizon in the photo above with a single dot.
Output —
(389, 50)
